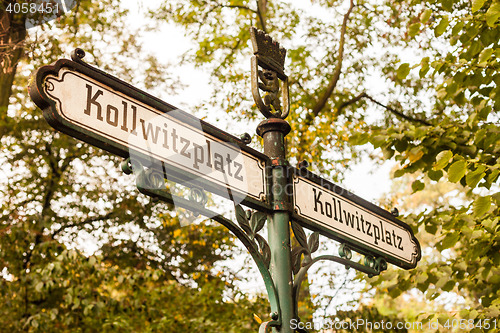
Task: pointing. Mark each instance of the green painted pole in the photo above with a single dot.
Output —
(273, 132)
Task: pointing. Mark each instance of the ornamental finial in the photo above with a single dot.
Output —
(270, 56)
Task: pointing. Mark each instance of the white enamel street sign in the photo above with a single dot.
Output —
(108, 118)
(346, 217)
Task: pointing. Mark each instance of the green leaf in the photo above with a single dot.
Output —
(424, 67)
(456, 171)
(425, 16)
(435, 175)
(414, 29)
(481, 206)
(492, 177)
(447, 4)
(479, 136)
(421, 278)
(415, 154)
(431, 228)
(484, 56)
(399, 173)
(490, 224)
(493, 14)
(473, 177)
(417, 185)
(442, 159)
(449, 285)
(449, 240)
(441, 27)
(477, 5)
(403, 71)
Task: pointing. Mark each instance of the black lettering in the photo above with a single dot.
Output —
(400, 246)
(134, 119)
(368, 231)
(376, 233)
(229, 162)
(382, 231)
(209, 154)
(328, 209)
(165, 136)
(349, 219)
(124, 124)
(149, 131)
(334, 209)
(362, 224)
(340, 210)
(185, 148)
(219, 162)
(357, 220)
(199, 155)
(93, 100)
(174, 140)
(388, 237)
(394, 237)
(112, 122)
(238, 170)
(317, 201)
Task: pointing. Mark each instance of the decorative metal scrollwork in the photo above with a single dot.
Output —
(373, 266)
(271, 58)
(345, 252)
(378, 264)
(306, 247)
(252, 223)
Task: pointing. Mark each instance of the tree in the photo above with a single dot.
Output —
(461, 142)
(148, 273)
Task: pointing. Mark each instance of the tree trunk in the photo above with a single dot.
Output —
(12, 36)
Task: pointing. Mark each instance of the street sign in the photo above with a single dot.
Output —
(102, 110)
(338, 214)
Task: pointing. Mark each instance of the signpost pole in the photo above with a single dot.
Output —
(273, 132)
(268, 75)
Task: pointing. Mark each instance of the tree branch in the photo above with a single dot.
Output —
(345, 104)
(320, 104)
(261, 12)
(398, 113)
(241, 7)
(388, 108)
(84, 222)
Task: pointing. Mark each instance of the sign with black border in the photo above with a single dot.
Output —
(91, 105)
(338, 214)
